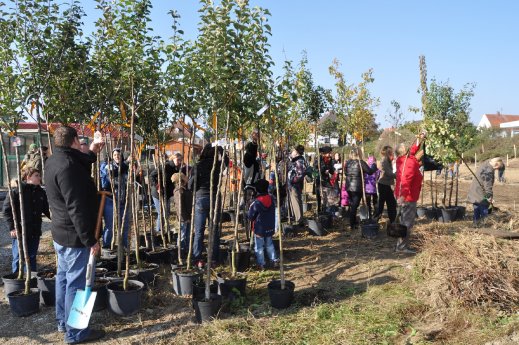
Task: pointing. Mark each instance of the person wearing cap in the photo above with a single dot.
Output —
(326, 196)
(262, 213)
(295, 181)
(114, 175)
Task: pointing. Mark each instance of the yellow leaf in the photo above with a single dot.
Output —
(123, 111)
(215, 120)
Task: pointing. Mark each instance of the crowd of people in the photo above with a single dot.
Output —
(394, 182)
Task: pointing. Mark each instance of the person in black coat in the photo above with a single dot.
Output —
(203, 195)
(35, 204)
(72, 196)
(172, 166)
(328, 195)
(354, 167)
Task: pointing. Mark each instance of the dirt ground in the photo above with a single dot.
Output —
(320, 267)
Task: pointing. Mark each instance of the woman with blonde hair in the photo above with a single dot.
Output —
(387, 179)
(354, 167)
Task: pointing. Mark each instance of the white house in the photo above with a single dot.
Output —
(332, 140)
(508, 124)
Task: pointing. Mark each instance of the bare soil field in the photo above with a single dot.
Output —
(349, 290)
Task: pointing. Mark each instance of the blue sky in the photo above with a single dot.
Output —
(463, 42)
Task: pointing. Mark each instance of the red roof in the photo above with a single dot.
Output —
(81, 129)
(497, 119)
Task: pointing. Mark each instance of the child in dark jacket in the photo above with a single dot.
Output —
(35, 204)
(262, 212)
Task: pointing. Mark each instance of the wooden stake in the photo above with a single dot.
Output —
(515, 152)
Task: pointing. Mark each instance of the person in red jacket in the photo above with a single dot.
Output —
(407, 188)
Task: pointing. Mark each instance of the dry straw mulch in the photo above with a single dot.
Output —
(469, 269)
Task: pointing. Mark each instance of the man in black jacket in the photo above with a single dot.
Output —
(72, 199)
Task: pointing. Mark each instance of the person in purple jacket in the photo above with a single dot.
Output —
(262, 213)
(370, 185)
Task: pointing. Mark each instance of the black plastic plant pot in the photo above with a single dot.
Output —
(113, 277)
(199, 288)
(207, 310)
(101, 271)
(307, 206)
(102, 294)
(183, 281)
(431, 213)
(421, 211)
(439, 214)
(281, 298)
(326, 220)
(288, 230)
(461, 211)
(22, 304)
(147, 273)
(224, 254)
(315, 227)
(157, 240)
(232, 287)
(11, 283)
(159, 256)
(242, 259)
(232, 215)
(124, 302)
(369, 230)
(46, 281)
(226, 217)
(108, 255)
(449, 214)
(109, 265)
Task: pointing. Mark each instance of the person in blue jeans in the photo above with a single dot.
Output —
(203, 193)
(113, 183)
(262, 213)
(72, 196)
(35, 204)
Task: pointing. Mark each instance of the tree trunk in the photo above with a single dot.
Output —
(150, 203)
(280, 232)
(445, 179)
(25, 251)
(12, 202)
(451, 188)
(214, 207)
